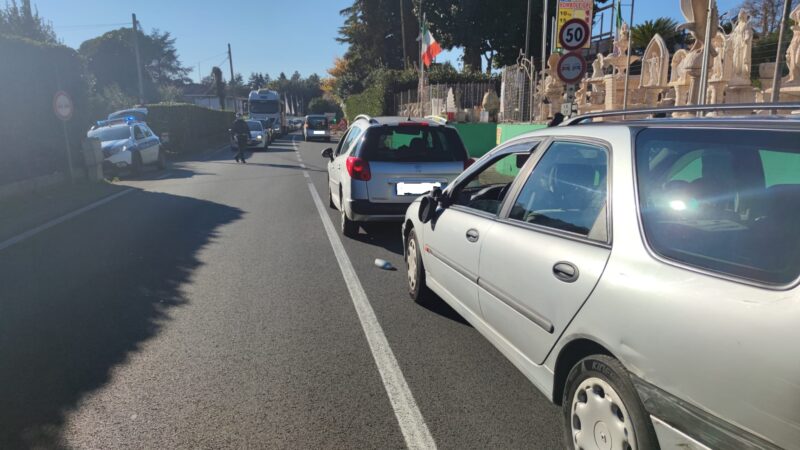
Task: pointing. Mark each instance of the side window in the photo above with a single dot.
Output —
(137, 133)
(780, 168)
(147, 131)
(486, 189)
(354, 135)
(567, 191)
(338, 150)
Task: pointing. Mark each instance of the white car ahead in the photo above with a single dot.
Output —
(128, 145)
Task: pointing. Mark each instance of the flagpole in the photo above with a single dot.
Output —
(544, 57)
(421, 83)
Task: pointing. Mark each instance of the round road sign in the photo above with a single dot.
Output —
(62, 105)
(574, 34)
(571, 68)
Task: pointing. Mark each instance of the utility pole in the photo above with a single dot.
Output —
(544, 55)
(701, 95)
(528, 29)
(138, 58)
(403, 32)
(776, 77)
(230, 63)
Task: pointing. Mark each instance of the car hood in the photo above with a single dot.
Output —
(108, 145)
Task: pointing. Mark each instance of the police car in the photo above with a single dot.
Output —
(127, 145)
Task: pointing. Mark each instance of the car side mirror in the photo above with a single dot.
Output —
(429, 204)
(328, 153)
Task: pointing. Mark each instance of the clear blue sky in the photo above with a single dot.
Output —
(266, 35)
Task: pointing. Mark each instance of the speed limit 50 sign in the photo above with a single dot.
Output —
(574, 34)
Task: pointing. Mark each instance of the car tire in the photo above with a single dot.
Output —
(415, 270)
(162, 160)
(617, 413)
(349, 227)
(136, 163)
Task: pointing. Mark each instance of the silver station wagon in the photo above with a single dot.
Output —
(642, 274)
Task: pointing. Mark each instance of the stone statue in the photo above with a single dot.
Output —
(655, 64)
(696, 14)
(718, 63)
(678, 71)
(741, 40)
(793, 53)
(597, 66)
(622, 40)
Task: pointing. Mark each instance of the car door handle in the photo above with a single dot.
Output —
(565, 271)
(473, 235)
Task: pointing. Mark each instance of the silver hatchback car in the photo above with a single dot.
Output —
(382, 164)
(642, 274)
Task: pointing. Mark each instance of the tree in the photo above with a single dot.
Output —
(321, 105)
(110, 58)
(765, 14)
(219, 85)
(256, 81)
(24, 21)
(642, 34)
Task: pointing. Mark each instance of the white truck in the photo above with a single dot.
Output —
(265, 104)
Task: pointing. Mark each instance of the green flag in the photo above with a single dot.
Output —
(619, 14)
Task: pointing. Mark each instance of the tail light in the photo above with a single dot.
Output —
(468, 162)
(358, 169)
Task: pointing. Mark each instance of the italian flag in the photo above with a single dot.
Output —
(430, 48)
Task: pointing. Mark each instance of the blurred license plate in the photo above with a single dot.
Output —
(416, 188)
(319, 132)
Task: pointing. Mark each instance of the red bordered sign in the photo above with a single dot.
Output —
(571, 67)
(574, 34)
(63, 106)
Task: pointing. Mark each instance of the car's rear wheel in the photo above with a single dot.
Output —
(349, 227)
(136, 163)
(417, 288)
(602, 409)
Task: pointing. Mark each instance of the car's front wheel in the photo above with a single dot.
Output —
(417, 288)
(602, 409)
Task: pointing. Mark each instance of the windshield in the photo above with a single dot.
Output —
(254, 125)
(318, 123)
(111, 133)
(723, 201)
(265, 107)
(413, 143)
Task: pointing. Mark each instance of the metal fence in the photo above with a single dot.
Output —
(442, 98)
(517, 94)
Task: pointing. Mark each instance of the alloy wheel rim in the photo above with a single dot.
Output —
(599, 418)
(411, 262)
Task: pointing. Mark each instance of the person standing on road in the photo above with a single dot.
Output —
(240, 132)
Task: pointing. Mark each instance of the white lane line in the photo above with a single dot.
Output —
(412, 424)
(34, 231)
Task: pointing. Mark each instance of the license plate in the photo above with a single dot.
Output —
(319, 132)
(416, 188)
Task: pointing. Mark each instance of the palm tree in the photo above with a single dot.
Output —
(643, 33)
(219, 85)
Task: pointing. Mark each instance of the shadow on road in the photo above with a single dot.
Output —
(76, 300)
(384, 235)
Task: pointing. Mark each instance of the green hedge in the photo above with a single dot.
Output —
(189, 126)
(371, 102)
(31, 137)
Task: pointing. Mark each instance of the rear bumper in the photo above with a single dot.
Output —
(367, 211)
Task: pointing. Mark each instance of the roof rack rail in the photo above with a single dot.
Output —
(365, 117)
(438, 119)
(692, 108)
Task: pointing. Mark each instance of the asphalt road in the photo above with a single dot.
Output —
(207, 309)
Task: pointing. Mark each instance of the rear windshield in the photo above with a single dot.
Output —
(404, 143)
(727, 201)
(254, 125)
(318, 122)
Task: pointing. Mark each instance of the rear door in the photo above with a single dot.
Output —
(408, 159)
(542, 259)
(337, 170)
